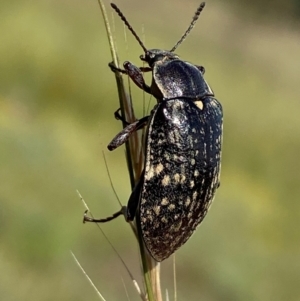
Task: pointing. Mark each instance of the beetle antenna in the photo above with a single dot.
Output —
(115, 7)
(195, 18)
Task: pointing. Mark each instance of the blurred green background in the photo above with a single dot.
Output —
(57, 98)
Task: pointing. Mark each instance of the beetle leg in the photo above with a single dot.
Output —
(134, 199)
(145, 69)
(122, 211)
(124, 135)
(119, 117)
(114, 69)
(200, 68)
(128, 211)
(136, 75)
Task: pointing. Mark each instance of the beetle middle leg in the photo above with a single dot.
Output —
(118, 116)
(128, 211)
(122, 211)
(124, 135)
(134, 199)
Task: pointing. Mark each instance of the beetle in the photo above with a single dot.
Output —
(182, 149)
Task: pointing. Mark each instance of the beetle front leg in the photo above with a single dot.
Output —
(134, 199)
(114, 69)
(136, 75)
(124, 135)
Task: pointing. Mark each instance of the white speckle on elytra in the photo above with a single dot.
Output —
(159, 168)
(164, 202)
(177, 178)
(171, 207)
(164, 220)
(166, 180)
(150, 173)
(183, 178)
(187, 202)
(156, 210)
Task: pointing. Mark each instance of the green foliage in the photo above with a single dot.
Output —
(57, 98)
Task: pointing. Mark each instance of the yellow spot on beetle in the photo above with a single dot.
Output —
(199, 104)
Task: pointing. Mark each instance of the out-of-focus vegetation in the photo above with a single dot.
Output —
(57, 98)
(289, 9)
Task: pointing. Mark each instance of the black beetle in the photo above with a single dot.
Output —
(182, 149)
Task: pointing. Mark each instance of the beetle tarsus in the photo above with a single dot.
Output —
(118, 116)
(115, 69)
(86, 218)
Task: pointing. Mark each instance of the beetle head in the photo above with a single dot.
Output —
(154, 55)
